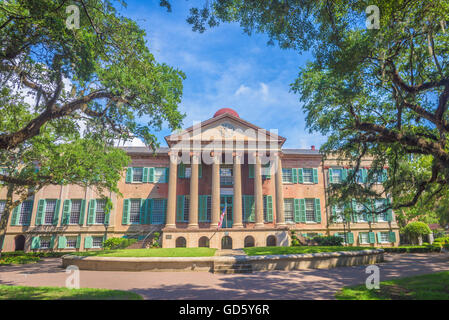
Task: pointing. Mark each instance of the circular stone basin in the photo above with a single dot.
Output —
(322, 260)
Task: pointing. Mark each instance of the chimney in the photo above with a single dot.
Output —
(313, 147)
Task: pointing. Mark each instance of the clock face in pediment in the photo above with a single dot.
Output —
(226, 129)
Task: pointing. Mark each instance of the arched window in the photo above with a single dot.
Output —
(249, 241)
(226, 242)
(203, 242)
(271, 241)
(180, 242)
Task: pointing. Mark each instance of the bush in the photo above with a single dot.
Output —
(118, 243)
(413, 249)
(416, 229)
(295, 242)
(328, 240)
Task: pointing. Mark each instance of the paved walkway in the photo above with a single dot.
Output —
(304, 284)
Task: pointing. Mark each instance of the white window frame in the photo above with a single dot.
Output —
(384, 233)
(304, 175)
(287, 173)
(93, 242)
(141, 176)
(292, 202)
(71, 238)
(361, 237)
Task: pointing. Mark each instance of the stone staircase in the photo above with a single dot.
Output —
(147, 239)
(231, 268)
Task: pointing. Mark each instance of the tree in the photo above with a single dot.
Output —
(69, 93)
(416, 230)
(374, 92)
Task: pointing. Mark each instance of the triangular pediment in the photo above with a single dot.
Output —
(224, 127)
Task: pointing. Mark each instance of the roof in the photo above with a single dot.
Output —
(301, 151)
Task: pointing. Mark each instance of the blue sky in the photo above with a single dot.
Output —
(226, 68)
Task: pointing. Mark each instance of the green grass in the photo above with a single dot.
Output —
(256, 251)
(433, 286)
(20, 257)
(60, 293)
(160, 252)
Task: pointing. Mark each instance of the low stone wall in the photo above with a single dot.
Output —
(323, 260)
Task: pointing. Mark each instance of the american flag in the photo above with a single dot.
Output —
(222, 217)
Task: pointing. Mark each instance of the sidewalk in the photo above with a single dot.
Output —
(282, 285)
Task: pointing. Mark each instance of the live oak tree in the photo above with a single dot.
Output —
(69, 93)
(374, 92)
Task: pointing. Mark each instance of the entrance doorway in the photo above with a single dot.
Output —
(228, 200)
(19, 243)
(226, 242)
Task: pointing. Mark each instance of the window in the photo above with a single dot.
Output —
(159, 175)
(71, 242)
(384, 237)
(339, 214)
(158, 211)
(137, 174)
(188, 172)
(288, 211)
(99, 214)
(342, 235)
(307, 175)
(377, 177)
(337, 175)
(186, 208)
(75, 212)
(49, 211)
(45, 243)
(310, 210)
(226, 176)
(364, 237)
(134, 213)
(360, 176)
(2, 208)
(209, 208)
(97, 242)
(287, 176)
(266, 169)
(265, 208)
(25, 212)
(360, 212)
(380, 205)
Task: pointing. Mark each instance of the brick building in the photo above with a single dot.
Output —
(224, 164)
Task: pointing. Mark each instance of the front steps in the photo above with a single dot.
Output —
(231, 268)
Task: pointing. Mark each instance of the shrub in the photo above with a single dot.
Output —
(328, 240)
(417, 228)
(413, 249)
(118, 243)
(295, 242)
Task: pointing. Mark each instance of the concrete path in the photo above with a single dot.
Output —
(285, 285)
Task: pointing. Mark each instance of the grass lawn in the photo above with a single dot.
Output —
(20, 257)
(434, 286)
(59, 293)
(256, 251)
(160, 252)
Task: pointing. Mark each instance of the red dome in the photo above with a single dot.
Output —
(226, 110)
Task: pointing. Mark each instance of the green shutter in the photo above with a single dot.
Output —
(145, 175)
(269, 206)
(302, 210)
(129, 175)
(344, 174)
(15, 215)
(317, 210)
(166, 175)
(200, 171)
(384, 175)
(378, 237)
(126, 211)
(202, 208)
(180, 209)
(165, 210)
(294, 175)
(350, 237)
(372, 237)
(392, 236)
(91, 211)
(62, 242)
(143, 210)
(40, 212)
(364, 175)
(66, 208)
(78, 242)
(35, 242)
(82, 211)
(56, 213)
(389, 211)
(251, 170)
(331, 179)
(151, 172)
(88, 242)
(315, 175)
(300, 175)
(249, 210)
(181, 170)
